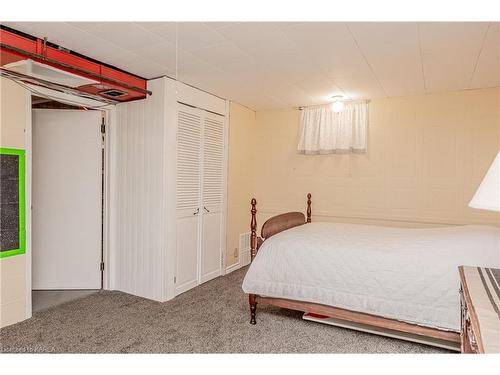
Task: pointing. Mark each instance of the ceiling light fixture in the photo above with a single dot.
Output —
(338, 104)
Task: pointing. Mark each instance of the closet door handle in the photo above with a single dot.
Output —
(206, 209)
(197, 211)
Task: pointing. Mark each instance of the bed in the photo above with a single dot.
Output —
(394, 279)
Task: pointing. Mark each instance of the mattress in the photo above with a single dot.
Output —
(406, 274)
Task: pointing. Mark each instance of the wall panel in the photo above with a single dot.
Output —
(138, 209)
(14, 272)
(426, 156)
(240, 179)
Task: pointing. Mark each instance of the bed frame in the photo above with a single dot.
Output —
(346, 318)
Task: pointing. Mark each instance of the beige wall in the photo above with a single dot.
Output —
(242, 124)
(427, 155)
(12, 269)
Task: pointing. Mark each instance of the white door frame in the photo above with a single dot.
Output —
(224, 193)
(107, 257)
(109, 116)
(27, 179)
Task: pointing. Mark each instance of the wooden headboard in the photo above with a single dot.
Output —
(282, 222)
(276, 224)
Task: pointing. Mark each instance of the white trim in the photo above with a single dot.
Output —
(225, 168)
(245, 255)
(110, 280)
(209, 276)
(232, 268)
(201, 99)
(28, 203)
(108, 274)
(185, 287)
(170, 184)
(201, 215)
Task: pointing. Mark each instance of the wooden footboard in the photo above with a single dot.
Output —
(289, 220)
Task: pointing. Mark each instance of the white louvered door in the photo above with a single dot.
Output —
(212, 195)
(200, 196)
(189, 132)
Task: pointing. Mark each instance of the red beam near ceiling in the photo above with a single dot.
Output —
(108, 78)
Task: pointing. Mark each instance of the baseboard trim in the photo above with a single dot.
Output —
(233, 267)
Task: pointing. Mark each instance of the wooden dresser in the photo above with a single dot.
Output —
(480, 309)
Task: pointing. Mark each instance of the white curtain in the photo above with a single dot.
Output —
(322, 131)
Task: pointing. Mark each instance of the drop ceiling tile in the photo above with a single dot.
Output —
(408, 82)
(331, 46)
(323, 91)
(126, 35)
(165, 30)
(227, 57)
(293, 66)
(154, 25)
(258, 38)
(195, 35)
(192, 67)
(90, 26)
(110, 54)
(487, 72)
(285, 25)
(446, 73)
(257, 100)
(449, 52)
(457, 37)
(163, 54)
(287, 93)
(190, 35)
(219, 25)
(393, 52)
(360, 87)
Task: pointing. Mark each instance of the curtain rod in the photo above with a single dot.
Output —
(300, 108)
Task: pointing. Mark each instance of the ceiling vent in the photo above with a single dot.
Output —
(113, 93)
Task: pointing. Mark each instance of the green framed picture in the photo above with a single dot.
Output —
(12, 202)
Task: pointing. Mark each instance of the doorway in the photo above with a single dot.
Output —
(67, 203)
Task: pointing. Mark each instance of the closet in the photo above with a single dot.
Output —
(200, 178)
(168, 162)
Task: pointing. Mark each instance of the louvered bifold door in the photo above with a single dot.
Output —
(212, 195)
(189, 132)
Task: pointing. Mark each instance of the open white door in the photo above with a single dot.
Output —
(66, 216)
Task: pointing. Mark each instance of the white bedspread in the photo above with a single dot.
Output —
(399, 273)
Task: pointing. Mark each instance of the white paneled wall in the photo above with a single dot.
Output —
(138, 209)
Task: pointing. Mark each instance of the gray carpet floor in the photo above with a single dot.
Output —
(212, 318)
(43, 299)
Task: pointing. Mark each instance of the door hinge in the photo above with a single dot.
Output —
(175, 279)
(102, 266)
